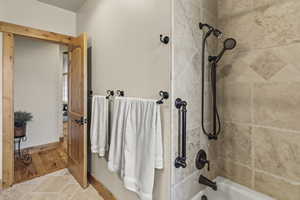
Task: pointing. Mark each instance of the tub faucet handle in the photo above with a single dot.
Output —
(208, 165)
(201, 160)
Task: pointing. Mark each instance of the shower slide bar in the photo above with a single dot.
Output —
(228, 44)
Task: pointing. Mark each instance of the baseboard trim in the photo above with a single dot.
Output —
(101, 189)
(61, 139)
(42, 147)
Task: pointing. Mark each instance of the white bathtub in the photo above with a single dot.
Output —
(228, 190)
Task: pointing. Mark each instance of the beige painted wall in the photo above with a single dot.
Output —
(128, 55)
(37, 15)
(38, 89)
(260, 144)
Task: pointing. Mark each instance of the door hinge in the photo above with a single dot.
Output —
(85, 120)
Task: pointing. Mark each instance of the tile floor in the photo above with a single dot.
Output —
(59, 185)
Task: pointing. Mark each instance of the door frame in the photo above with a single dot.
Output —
(9, 32)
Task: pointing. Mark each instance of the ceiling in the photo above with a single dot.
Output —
(72, 5)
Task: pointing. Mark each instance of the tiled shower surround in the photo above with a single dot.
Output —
(186, 84)
(260, 84)
(258, 94)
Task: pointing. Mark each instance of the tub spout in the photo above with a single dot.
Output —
(205, 181)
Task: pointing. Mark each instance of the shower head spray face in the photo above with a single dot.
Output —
(229, 44)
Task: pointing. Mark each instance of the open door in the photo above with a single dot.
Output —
(77, 140)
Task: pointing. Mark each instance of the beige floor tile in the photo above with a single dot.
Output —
(56, 186)
(89, 194)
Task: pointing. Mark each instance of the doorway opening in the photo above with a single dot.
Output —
(76, 77)
(40, 108)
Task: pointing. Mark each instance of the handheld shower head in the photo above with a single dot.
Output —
(229, 44)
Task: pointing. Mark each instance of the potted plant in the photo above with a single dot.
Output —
(21, 119)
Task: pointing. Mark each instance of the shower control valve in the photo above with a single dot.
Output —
(201, 160)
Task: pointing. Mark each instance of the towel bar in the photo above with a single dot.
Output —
(110, 93)
(164, 95)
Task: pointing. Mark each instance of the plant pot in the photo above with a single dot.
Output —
(20, 131)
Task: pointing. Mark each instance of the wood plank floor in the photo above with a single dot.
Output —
(43, 162)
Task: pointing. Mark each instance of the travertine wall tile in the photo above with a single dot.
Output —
(237, 102)
(276, 104)
(276, 187)
(188, 188)
(278, 23)
(237, 66)
(265, 3)
(233, 7)
(236, 172)
(186, 84)
(235, 143)
(277, 152)
(289, 54)
(267, 65)
(244, 29)
(260, 87)
(211, 6)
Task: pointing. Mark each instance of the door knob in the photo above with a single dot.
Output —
(81, 121)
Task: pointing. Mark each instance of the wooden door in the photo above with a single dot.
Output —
(8, 110)
(77, 140)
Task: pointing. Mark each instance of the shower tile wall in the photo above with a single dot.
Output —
(186, 84)
(260, 144)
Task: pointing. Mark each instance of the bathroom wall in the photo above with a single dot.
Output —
(260, 145)
(37, 15)
(127, 55)
(186, 84)
(38, 89)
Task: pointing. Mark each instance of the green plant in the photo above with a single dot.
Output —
(21, 118)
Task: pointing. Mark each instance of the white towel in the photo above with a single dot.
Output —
(99, 125)
(119, 118)
(137, 144)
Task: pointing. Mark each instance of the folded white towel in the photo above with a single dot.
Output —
(118, 128)
(99, 125)
(137, 144)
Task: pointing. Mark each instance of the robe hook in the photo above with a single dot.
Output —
(164, 39)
